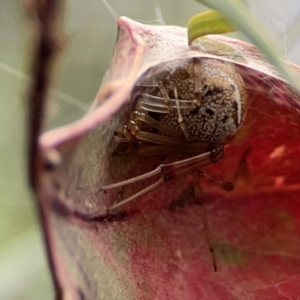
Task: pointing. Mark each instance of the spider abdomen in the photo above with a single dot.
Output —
(211, 99)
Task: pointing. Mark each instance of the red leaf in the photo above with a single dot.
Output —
(157, 249)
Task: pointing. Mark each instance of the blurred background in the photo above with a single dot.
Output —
(90, 31)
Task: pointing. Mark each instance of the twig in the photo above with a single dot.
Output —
(45, 15)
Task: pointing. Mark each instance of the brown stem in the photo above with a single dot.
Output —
(46, 41)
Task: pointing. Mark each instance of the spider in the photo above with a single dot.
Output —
(189, 108)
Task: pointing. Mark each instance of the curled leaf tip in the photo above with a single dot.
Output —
(209, 22)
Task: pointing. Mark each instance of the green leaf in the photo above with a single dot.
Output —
(207, 23)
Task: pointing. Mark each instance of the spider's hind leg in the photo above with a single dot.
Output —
(225, 185)
(199, 201)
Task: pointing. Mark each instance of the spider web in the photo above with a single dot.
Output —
(280, 20)
(91, 33)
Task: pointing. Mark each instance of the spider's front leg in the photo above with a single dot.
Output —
(165, 95)
(166, 172)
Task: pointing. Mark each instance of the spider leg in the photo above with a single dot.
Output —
(121, 135)
(198, 197)
(140, 116)
(166, 172)
(158, 104)
(172, 149)
(162, 144)
(166, 97)
(165, 169)
(198, 84)
(180, 118)
(151, 187)
(225, 185)
(158, 139)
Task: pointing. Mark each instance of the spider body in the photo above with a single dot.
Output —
(189, 109)
(192, 105)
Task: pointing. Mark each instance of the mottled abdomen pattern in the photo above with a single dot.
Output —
(221, 98)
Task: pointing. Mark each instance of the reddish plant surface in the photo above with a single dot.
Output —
(155, 248)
